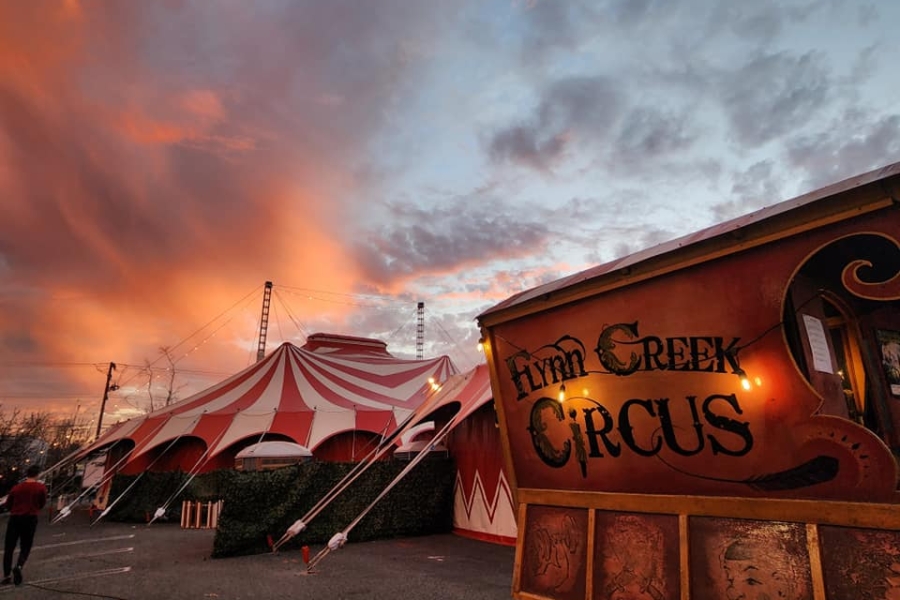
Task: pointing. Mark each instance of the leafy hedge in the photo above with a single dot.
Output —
(259, 505)
(266, 503)
(152, 490)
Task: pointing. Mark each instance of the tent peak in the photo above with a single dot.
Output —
(331, 342)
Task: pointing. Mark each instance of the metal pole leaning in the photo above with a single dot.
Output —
(359, 468)
(339, 539)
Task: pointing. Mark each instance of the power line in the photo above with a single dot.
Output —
(213, 320)
(309, 295)
(180, 371)
(46, 395)
(450, 339)
(24, 363)
(402, 326)
(297, 323)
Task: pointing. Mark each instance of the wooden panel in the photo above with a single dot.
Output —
(554, 556)
(636, 557)
(856, 514)
(860, 564)
(733, 558)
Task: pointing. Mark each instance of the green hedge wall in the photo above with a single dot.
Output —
(266, 503)
(263, 504)
(152, 490)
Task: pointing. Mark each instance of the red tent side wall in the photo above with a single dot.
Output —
(183, 455)
(482, 502)
(349, 446)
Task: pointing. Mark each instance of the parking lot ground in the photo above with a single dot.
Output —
(164, 562)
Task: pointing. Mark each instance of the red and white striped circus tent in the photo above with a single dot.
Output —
(482, 500)
(335, 395)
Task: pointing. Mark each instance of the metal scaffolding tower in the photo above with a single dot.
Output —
(264, 322)
(420, 331)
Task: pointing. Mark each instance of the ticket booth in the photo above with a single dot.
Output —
(714, 418)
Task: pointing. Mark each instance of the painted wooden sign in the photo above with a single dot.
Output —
(687, 383)
(715, 418)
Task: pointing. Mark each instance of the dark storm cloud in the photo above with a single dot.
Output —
(753, 188)
(571, 110)
(647, 134)
(552, 27)
(431, 241)
(775, 93)
(855, 143)
(763, 21)
(528, 146)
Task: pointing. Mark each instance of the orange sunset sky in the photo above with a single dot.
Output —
(161, 160)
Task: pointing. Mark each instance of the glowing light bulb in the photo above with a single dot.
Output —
(562, 393)
(745, 381)
(481, 345)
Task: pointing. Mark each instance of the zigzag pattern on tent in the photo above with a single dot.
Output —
(474, 512)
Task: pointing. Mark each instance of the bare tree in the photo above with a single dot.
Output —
(36, 438)
(21, 443)
(171, 392)
(149, 371)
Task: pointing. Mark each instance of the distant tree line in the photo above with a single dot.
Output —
(39, 438)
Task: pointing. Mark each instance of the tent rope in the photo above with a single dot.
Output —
(262, 435)
(339, 539)
(358, 469)
(195, 470)
(147, 468)
(107, 477)
(67, 510)
(361, 467)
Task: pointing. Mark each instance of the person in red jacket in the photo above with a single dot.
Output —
(24, 502)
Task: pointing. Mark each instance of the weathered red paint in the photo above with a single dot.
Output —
(740, 296)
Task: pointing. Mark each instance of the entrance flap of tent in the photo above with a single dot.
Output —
(295, 425)
(243, 425)
(174, 426)
(327, 424)
(376, 421)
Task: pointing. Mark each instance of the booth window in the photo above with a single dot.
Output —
(848, 361)
(852, 386)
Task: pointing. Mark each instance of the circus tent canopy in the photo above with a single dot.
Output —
(470, 390)
(306, 394)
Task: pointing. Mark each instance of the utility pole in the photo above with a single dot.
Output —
(109, 388)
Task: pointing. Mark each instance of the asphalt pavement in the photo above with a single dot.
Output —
(164, 562)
